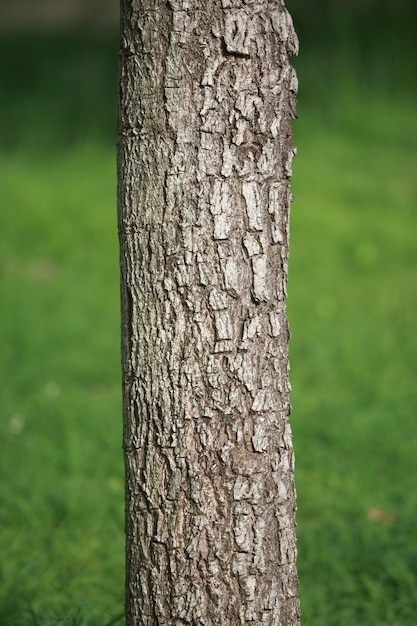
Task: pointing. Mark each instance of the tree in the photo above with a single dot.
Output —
(204, 161)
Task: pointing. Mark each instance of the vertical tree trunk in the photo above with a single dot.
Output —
(205, 150)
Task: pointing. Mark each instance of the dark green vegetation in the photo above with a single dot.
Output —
(352, 308)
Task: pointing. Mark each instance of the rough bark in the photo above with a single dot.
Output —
(205, 149)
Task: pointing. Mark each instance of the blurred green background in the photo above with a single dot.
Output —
(352, 308)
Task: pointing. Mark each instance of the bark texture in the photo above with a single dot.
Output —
(205, 149)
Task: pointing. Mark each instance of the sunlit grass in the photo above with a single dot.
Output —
(62, 484)
(352, 307)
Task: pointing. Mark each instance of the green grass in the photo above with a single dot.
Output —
(352, 308)
(62, 486)
(61, 489)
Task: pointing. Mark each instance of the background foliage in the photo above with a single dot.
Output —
(352, 309)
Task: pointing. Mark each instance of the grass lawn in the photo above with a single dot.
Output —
(352, 308)
(353, 314)
(61, 489)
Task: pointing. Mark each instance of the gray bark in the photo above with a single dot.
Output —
(204, 161)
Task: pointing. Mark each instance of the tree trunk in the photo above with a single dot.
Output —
(205, 149)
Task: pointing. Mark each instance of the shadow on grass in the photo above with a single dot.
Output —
(57, 90)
